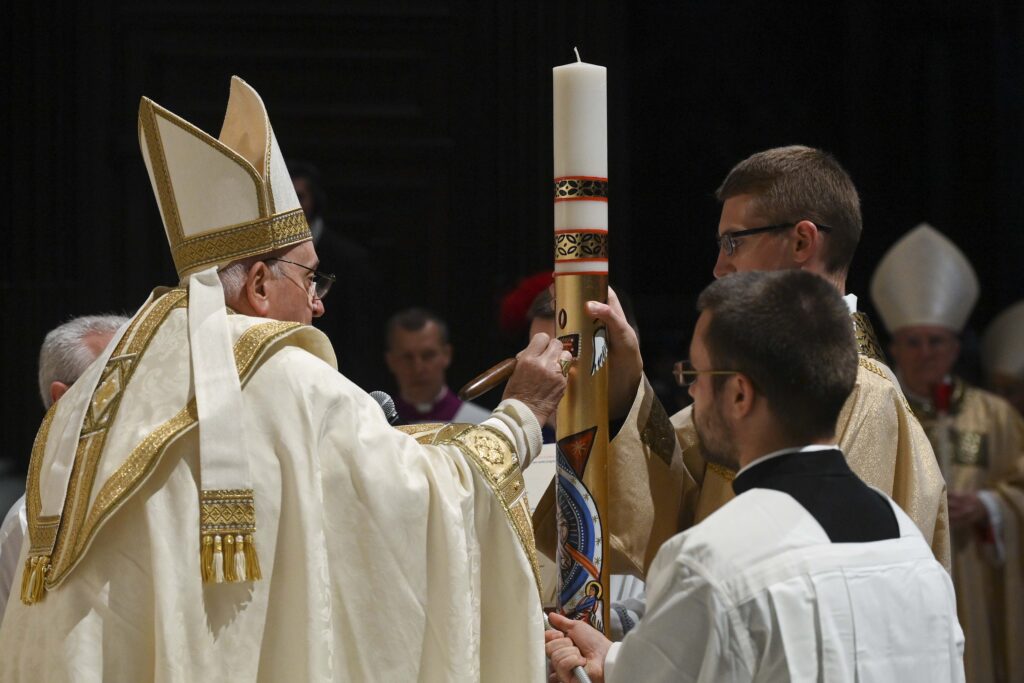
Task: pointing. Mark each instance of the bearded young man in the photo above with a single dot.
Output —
(808, 573)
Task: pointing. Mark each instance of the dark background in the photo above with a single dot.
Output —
(431, 123)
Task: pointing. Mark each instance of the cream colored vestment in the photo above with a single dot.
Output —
(988, 454)
(383, 557)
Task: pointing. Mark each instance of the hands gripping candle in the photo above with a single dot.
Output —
(581, 275)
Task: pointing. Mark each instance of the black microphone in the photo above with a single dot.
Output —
(387, 404)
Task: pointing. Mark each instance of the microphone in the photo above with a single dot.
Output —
(387, 404)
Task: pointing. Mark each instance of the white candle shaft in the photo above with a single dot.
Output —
(580, 139)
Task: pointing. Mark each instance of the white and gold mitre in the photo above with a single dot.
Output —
(220, 199)
(924, 279)
(1002, 347)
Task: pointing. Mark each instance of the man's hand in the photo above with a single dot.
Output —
(966, 509)
(625, 365)
(575, 644)
(538, 380)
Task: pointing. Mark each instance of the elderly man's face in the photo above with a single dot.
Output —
(924, 355)
(716, 441)
(291, 292)
(418, 360)
(763, 251)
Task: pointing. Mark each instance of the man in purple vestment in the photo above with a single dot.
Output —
(418, 355)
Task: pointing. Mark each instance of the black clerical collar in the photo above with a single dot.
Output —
(847, 509)
(813, 460)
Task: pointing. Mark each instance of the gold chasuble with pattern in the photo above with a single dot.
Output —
(380, 556)
(987, 439)
(660, 483)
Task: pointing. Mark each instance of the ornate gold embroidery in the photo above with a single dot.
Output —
(495, 458)
(970, 449)
(247, 239)
(227, 243)
(723, 472)
(223, 511)
(249, 348)
(574, 188)
(658, 434)
(123, 361)
(419, 429)
(33, 501)
(867, 341)
(148, 111)
(571, 246)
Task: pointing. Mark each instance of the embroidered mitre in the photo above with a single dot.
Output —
(221, 199)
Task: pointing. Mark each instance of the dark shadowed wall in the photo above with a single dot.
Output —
(430, 122)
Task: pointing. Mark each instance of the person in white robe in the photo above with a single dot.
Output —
(67, 351)
(212, 500)
(808, 574)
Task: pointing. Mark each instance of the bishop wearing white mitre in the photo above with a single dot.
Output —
(212, 500)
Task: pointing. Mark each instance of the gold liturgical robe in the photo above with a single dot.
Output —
(383, 556)
(660, 485)
(986, 439)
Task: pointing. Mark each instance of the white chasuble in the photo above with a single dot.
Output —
(383, 556)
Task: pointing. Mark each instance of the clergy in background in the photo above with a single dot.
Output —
(419, 352)
(808, 573)
(924, 288)
(1002, 355)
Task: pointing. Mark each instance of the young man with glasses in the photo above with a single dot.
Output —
(808, 573)
(788, 208)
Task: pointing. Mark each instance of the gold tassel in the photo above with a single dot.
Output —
(252, 561)
(218, 560)
(206, 559)
(26, 577)
(229, 559)
(239, 559)
(34, 590)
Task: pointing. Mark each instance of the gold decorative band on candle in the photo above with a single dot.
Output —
(573, 245)
(581, 188)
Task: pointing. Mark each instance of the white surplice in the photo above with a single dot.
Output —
(757, 592)
(383, 558)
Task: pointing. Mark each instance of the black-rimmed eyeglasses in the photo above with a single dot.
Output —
(728, 242)
(321, 283)
(686, 374)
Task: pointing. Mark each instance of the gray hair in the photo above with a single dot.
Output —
(65, 354)
(232, 276)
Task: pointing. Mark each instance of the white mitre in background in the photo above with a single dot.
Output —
(1002, 347)
(924, 279)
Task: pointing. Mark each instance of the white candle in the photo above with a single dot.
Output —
(581, 157)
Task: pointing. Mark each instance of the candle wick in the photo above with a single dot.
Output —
(577, 54)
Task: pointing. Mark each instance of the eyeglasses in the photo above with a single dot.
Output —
(728, 242)
(686, 374)
(321, 283)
